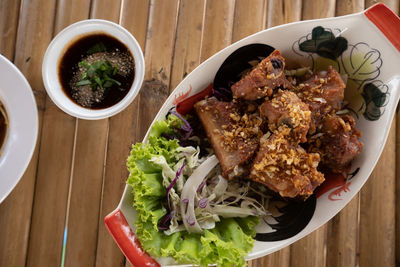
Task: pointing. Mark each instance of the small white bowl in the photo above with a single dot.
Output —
(58, 47)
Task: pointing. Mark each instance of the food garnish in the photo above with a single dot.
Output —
(98, 75)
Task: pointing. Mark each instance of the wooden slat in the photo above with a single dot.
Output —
(12, 232)
(283, 11)
(70, 11)
(249, 18)
(88, 172)
(188, 40)
(160, 37)
(217, 32)
(86, 187)
(318, 9)
(377, 211)
(345, 7)
(377, 204)
(280, 258)
(9, 13)
(104, 9)
(122, 133)
(34, 33)
(397, 243)
(51, 194)
(343, 236)
(309, 251)
(394, 5)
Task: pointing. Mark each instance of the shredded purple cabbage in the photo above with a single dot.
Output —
(203, 203)
(222, 94)
(173, 182)
(201, 186)
(185, 200)
(186, 126)
(190, 221)
(163, 225)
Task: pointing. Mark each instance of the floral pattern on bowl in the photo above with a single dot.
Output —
(359, 62)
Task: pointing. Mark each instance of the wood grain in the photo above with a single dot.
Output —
(249, 18)
(397, 211)
(122, 133)
(377, 204)
(283, 11)
(188, 40)
(70, 11)
(377, 211)
(51, 194)
(13, 229)
(280, 258)
(217, 32)
(9, 14)
(29, 49)
(318, 9)
(342, 240)
(394, 5)
(88, 172)
(300, 251)
(345, 7)
(160, 37)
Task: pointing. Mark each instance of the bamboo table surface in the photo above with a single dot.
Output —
(77, 173)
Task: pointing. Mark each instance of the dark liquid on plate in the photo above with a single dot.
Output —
(68, 70)
(3, 124)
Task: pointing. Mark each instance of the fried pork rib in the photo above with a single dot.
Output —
(234, 137)
(324, 93)
(263, 79)
(338, 144)
(288, 115)
(286, 168)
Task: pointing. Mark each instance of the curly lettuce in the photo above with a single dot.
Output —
(227, 244)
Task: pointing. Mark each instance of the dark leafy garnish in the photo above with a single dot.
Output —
(98, 75)
(97, 48)
(324, 43)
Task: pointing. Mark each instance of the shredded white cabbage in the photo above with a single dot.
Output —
(201, 182)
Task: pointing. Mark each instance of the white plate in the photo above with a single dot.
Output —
(19, 102)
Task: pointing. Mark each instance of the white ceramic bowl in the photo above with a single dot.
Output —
(56, 50)
(20, 105)
(370, 59)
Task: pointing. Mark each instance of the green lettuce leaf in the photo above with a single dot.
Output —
(227, 244)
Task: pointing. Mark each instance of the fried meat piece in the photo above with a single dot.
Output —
(288, 115)
(286, 168)
(338, 143)
(263, 79)
(324, 93)
(234, 137)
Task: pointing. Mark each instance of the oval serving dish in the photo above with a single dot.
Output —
(363, 46)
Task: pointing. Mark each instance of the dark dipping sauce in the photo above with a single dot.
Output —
(82, 50)
(3, 124)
